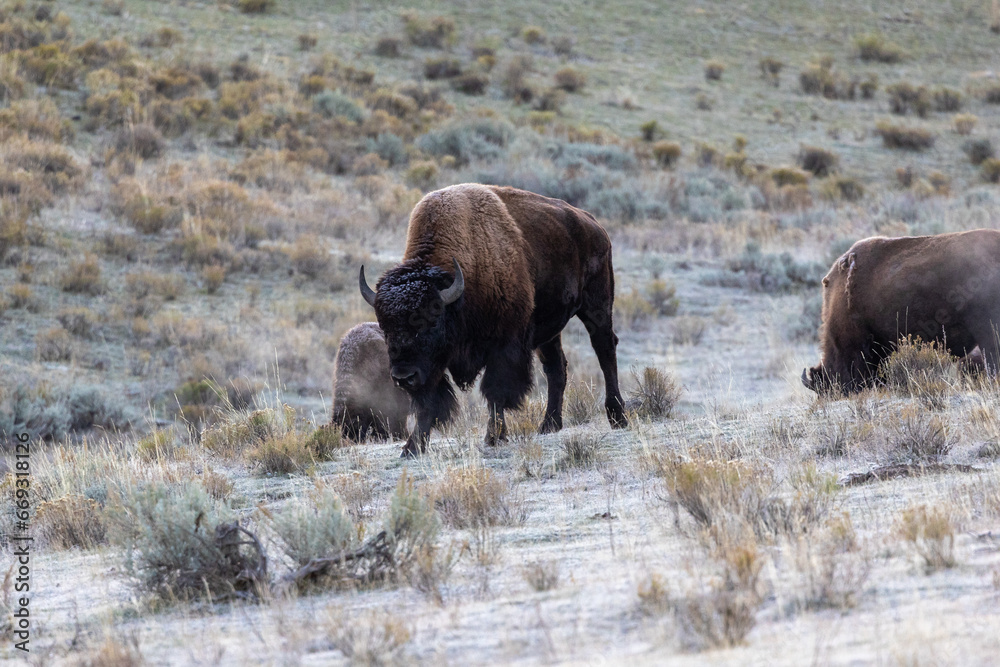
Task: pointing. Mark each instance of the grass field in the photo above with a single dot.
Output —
(187, 190)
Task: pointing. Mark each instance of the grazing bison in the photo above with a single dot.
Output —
(523, 265)
(366, 402)
(944, 288)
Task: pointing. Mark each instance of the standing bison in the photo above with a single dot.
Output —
(522, 265)
(366, 403)
(944, 288)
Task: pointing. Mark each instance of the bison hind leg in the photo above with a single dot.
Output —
(554, 364)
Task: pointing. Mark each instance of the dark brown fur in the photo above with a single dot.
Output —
(530, 263)
(944, 288)
(366, 402)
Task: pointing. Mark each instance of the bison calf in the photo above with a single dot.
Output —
(489, 275)
(943, 288)
(366, 402)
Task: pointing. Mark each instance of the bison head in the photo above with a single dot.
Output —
(412, 304)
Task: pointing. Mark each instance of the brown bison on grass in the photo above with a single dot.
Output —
(521, 265)
(943, 288)
(366, 402)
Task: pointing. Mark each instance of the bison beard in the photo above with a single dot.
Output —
(523, 266)
(942, 288)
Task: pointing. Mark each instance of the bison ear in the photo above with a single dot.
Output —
(452, 293)
(367, 292)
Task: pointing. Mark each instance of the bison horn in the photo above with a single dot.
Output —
(367, 292)
(805, 382)
(451, 294)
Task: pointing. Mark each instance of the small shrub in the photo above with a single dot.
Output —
(978, 150)
(819, 161)
(70, 521)
(964, 123)
(666, 153)
(213, 277)
(904, 97)
(918, 437)
(570, 79)
(869, 86)
(255, 6)
(83, 277)
(703, 102)
(689, 329)
(314, 527)
(442, 68)
(632, 309)
(714, 70)
(874, 47)
(788, 176)
(921, 370)
(906, 138)
(930, 532)
(541, 575)
(822, 79)
(483, 139)
(21, 296)
(663, 297)
(332, 103)
(78, 321)
(532, 34)
(436, 33)
(144, 141)
(513, 78)
(656, 394)
(581, 403)
(770, 70)
(947, 99)
(550, 100)
(563, 45)
(310, 257)
(581, 449)
(474, 496)
(775, 273)
(422, 175)
(307, 42)
(723, 615)
(54, 345)
(376, 638)
(181, 544)
(990, 170)
(846, 188)
(471, 83)
(389, 47)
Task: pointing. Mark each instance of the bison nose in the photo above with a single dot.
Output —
(405, 378)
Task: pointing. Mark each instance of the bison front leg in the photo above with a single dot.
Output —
(506, 381)
(433, 408)
(554, 364)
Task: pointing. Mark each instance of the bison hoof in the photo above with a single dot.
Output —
(410, 450)
(618, 420)
(549, 425)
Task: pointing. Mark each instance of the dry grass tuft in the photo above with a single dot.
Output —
(922, 370)
(723, 615)
(918, 437)
(667, 153)
(570, 79)
(70, 521)
(83, 277)
(475, 496)
(582, 449)
(656, 394)
(964, 123)
(930, 532)
(541, 575)
(819, 161)
(581, 403)
(874, 47)
(374, 640)
(714, 70)
(905, 138)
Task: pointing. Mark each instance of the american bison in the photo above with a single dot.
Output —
(366, 402)
(489, 275)
(943, 288)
